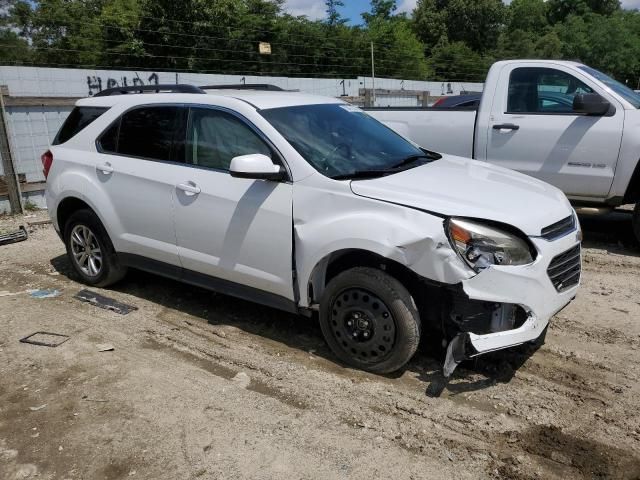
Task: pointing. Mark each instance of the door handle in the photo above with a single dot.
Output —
(506, 126)
(189, 188)
(105, 168)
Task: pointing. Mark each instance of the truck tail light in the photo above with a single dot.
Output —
(47, 161)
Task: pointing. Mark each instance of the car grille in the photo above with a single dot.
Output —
(564, 270)
(559, 229)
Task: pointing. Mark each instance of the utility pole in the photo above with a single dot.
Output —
(373, 76)
(13, 186)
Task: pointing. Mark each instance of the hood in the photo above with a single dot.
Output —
(455, 186)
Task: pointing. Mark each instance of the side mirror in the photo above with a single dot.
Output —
(591, 104)
(257, 167)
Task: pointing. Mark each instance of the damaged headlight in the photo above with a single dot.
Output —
(481, 245)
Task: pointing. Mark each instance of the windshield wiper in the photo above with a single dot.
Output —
(364, 174)
(412, 159)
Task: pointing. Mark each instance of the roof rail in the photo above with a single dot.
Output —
(171, 88)
(245, 86)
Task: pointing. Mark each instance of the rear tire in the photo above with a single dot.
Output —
(90, 250)
(635, 222)
(369, 320)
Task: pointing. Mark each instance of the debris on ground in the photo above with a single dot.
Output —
(242, 379)
(38, 223)
(105, 347)
(104, 302)
(45, 293)
(13, 237)
(86, 397)
(45, 339)
(35, 409)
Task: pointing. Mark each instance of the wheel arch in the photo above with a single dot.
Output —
(339, 261)
(67, 207)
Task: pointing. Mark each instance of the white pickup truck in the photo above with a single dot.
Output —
(562, 122)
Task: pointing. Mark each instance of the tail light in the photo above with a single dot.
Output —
(47, 161)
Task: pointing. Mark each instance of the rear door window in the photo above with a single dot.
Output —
(78, 119)
(150, 132)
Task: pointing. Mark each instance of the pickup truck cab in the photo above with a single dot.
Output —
(562, 122)
(309, 205)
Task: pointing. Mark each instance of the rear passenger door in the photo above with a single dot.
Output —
(137, 169)
(235, 229)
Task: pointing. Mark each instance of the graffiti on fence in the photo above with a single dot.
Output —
(96, 83)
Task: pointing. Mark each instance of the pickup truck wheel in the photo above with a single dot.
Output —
(370, 320)
(90, 250)
(636, 222)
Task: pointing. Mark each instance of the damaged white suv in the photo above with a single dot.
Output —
(307, 204)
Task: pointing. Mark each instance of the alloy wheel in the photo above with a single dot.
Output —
(86, 250)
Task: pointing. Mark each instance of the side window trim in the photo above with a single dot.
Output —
(99, 148)
(279, 158)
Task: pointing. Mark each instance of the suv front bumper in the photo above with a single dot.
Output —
(529, 287)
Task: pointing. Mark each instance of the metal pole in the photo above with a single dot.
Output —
(13, 186)
(373, 76)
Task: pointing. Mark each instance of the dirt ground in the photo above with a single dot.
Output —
(204, 386)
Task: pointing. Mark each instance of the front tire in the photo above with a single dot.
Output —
(90, 250)
(369, 320)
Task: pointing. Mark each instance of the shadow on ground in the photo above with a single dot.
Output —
(612, 232)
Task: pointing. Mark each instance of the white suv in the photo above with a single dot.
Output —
(307, 204)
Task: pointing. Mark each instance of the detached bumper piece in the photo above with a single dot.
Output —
(471, 318)
(19, 236)
(459, 350)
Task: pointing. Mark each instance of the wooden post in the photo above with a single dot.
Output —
(13, 186)
(368, 98)
(424, 99)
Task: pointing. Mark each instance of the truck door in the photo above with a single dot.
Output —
(533, 129)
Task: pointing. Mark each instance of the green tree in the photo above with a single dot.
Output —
(528, 15)
(430, 23)
(397, 51)
(380, 9)
(476, 23)
(456, 61)
(333, 15)
(559, 10)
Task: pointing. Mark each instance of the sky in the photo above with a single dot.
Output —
(315, 9)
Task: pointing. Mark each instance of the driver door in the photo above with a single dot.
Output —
(237, 230)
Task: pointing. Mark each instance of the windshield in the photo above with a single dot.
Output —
(625, 92)
(340, 140)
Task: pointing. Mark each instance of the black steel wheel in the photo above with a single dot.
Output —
(370, 320)
(362, 325)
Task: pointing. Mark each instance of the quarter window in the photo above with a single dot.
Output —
(78, 119)
(216, 137)
(543, 90)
